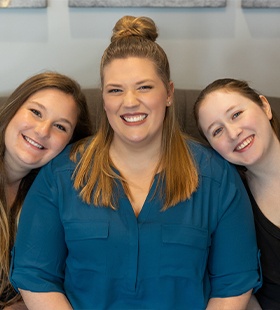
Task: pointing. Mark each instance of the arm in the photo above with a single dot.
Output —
(230, 303)
(39, 253)
(233, 258)
(253, 304)
(45, 301)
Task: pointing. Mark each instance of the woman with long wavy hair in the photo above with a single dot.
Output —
(44, 114)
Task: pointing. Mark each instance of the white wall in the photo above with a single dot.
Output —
(202, 44)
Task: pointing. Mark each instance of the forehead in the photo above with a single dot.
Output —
(130, 66)
(52, 97)
(222, 99)
(216, 104)
(54, 101)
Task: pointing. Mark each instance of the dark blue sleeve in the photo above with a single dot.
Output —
(234, 256)
(38, 257)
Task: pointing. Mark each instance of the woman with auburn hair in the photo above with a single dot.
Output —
(43, 115)
(141, 216)
(239, 123)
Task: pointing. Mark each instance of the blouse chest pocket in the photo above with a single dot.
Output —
(87, 244)
(184, 251)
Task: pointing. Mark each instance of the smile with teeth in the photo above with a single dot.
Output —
(39, 146)
(134, 118)
(244, 143)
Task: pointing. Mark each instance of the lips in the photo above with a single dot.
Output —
(32, 142)
(134, 118)
(244, 143)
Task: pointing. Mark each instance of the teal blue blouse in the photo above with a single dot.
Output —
(102, 258)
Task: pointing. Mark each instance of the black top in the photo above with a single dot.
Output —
(268, 238)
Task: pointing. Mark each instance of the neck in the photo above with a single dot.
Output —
(135, 159)
(13, 179)
(264, 183)
(15, 176)
(268, 167)
(11, 190)
(137, 166)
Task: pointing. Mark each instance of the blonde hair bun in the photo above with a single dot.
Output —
(135, 26)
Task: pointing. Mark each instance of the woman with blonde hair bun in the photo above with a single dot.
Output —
(138, 216)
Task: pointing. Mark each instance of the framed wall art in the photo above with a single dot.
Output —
(147, 3)
(23, 3)
(260, 3)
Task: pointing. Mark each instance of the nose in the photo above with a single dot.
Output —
(130, 99)
(43, 129)
(233, 131)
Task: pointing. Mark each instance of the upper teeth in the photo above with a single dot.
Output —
(244, 144)
(136, 118)
(39, 146)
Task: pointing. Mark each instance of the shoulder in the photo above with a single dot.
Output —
(60, 163)
(209, 163)
(63, 160)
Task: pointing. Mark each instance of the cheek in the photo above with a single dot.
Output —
(59, 143)
(159, 110)
(220, 146)
(111, 112)
(109, 108)
(13, 130)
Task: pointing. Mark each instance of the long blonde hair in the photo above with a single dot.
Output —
(9, 214)
(178, 179)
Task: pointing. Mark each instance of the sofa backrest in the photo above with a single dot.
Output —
(184, 101)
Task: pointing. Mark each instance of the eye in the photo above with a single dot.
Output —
(217, 131)
(36, 112)
(60, 127)
(235, 115)
(114, 90)
(145, 87)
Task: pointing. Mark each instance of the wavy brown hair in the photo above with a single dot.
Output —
(9, 214)
(178, 179)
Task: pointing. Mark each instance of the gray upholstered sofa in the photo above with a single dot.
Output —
(184, 100)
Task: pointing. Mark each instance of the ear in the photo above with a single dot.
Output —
(266, 107)
(170, 94)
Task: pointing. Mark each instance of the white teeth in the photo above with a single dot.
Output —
(244, 144)
(39, 146)
(132, 119)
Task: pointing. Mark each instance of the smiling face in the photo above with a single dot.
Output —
(40, 129)
(135, 100)
(237, 127)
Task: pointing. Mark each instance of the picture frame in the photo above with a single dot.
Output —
(260, 3)
(6, 4)
(147, 3)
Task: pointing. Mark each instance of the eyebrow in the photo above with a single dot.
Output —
(137, 83)
(41, 106)
(145, 81)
